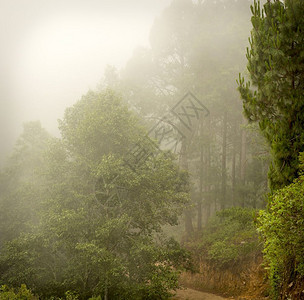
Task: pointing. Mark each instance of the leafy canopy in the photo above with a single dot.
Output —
(99, 221)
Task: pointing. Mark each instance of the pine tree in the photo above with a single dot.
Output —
(274, 95)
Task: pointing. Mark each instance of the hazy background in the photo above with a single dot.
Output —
(52, 52)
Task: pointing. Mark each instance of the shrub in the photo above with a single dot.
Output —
(282, 227)
(230, 237)
(23, 293)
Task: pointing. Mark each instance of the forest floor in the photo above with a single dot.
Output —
(189, 294)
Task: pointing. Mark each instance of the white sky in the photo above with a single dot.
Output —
(52, 52)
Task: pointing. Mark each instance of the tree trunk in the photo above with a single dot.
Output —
(243, 160)
(233, 179)
(224, 157)
(199, 215)
(201, 180)
(106, 289)
(184, 164)
(208, 173)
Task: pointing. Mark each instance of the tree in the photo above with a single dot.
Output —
(197, 46)
(281, 226)
(273, 96)
(108, 243)
(20, 182)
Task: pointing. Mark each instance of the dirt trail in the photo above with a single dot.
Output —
(189, 294)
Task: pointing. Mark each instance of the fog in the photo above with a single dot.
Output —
(149, 150)
(135, 151)
(52, 52)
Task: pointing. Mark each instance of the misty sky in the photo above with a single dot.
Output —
(52, 52)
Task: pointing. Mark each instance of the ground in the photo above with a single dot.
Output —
(189, 294)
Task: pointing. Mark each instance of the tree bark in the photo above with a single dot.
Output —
(233, 179)
(201, 180)
(224, 157)
(243, 160)
(208, 173)
(184, 164)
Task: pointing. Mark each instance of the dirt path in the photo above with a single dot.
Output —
(188, 294)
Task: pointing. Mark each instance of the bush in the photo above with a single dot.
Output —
(282, 227)
(230, 237)
(10, 294)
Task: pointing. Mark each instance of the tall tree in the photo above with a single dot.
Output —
(21, 183)
(99, 226)
(273, 96)
(197, 46)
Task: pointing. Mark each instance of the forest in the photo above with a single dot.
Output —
(183, 169)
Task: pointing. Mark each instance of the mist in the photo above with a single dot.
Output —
(142, 147)
(54, 52)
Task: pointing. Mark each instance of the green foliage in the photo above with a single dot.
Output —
(19, 294)
(99, 124)
(89, 237)
(197, 46)
(20, 182)
(274, 94)
(282, 227)
(274, 98)
(71, 296)
(229, 238)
